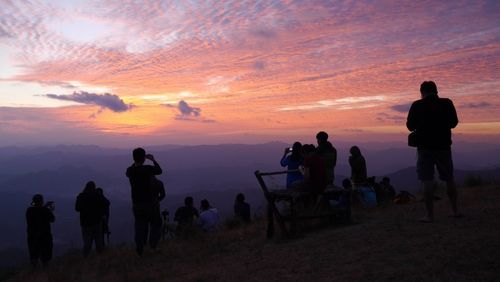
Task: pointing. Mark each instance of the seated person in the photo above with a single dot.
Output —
(185, 216)
(242, 209)
(293, 162)
(377, 188)
(389, 191)
(209, 217)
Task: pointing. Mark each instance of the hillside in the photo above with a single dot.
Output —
(382, 244)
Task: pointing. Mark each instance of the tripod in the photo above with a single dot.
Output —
(167, 231)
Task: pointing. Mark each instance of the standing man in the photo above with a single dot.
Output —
(92, 207)
(39, 216)
(329, 154)
(146, 207)
(432, 119)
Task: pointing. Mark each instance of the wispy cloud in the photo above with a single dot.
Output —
(478, 105)
(347, 103)
(106, 100)
(384, 117)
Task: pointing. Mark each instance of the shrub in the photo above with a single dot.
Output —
(473, 180)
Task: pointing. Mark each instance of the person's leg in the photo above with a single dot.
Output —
(98, 237)
(425, 171)
(140, 228)
(156, 224)
(87, 240)
(34, 250)
(428, 187)
(46, 249)
(444, 164)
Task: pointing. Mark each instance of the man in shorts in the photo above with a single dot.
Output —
(433, 118)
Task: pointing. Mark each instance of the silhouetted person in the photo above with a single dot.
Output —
(377, 188)
(432, 118)
(185, 216)
(293, 162)
(358, 167)
(38, 218)
(92, 208)
(209, 216)
(158, 189)
(315, 178)
(242, 208)
(346, 184)
(105, 219)
(389, 191)
(145, 200)
(329, 154)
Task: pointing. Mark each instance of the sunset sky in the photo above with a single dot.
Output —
(125, 73)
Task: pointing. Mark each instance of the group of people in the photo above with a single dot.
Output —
(310, 167)
(187, 218)
(430, 121)
(93, 207)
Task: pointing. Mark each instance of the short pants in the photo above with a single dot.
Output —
(427, 159)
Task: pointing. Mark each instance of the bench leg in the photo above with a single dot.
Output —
(270, 220)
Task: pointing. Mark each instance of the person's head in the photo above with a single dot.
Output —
(322, 137)
(428, 88)
(37, 200)
(89, 187)
(296, 151)
(188, 201)
(296, 147)
(355, 151)
(139, 155)
(308, 149)
(386, 179)
(240, 198)
(346, 183)
(371, 180)
(205, 205)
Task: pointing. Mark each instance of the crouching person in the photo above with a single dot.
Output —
(38, 218)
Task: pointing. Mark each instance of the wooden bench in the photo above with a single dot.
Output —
(320, 209)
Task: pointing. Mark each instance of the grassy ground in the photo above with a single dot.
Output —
(384, 244)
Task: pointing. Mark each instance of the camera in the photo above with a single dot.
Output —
(50, 205)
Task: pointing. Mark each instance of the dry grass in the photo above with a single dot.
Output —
(385, 244)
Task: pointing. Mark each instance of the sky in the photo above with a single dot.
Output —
(125, 73)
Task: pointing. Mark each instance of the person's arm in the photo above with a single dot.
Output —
(284, 160)
(176, 215)
(334, 157)
(411, 121)
(78, 204)
(161, 192)
(51, 216)
(452, 115)
(156, 167)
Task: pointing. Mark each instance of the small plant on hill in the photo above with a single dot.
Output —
(473, 180)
